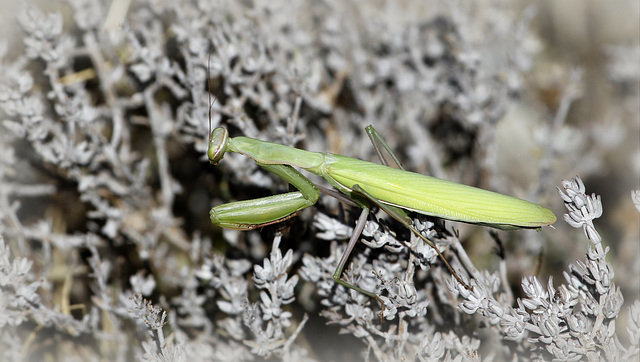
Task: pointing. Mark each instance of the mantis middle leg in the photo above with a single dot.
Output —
(396, 213)
(402, 217)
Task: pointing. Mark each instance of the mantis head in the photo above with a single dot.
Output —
(218, 141)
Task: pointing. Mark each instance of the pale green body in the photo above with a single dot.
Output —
(393, 190)
(433, 196)
(403, 189)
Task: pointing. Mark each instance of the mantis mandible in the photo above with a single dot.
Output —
(393, 190)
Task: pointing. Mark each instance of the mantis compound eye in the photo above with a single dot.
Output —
(218, 141)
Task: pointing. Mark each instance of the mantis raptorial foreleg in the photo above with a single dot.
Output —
(251, 214)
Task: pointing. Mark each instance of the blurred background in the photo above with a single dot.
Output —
(569, 105)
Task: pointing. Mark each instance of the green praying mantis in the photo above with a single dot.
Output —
(394, 190)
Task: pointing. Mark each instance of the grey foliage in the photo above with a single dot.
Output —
(106, 248)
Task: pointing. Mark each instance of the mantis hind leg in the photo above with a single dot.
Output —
(404, 219)
(392, 211)
(395, 212)
(251, 214)
(376, 138)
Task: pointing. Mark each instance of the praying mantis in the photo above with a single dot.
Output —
(394, 190)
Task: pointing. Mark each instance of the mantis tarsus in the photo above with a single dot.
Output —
(393, 190)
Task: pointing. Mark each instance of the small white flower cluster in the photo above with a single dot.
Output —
(266, 321)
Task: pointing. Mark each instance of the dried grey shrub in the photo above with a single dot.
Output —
(105, 242)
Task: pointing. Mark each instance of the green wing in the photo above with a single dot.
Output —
(436, 197)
